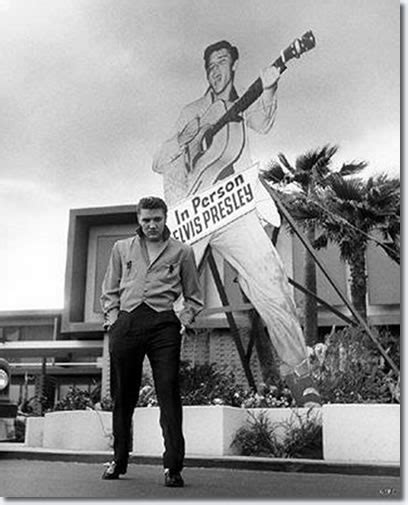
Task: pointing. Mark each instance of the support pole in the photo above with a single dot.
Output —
(245, 357)
(323, 302)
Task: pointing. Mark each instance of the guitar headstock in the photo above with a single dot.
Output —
(300, 46)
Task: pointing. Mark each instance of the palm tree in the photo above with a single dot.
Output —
(352, 210)
(309, 174)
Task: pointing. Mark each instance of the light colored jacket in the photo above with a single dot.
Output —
(131, 279)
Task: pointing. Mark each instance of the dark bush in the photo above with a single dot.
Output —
(349, 368)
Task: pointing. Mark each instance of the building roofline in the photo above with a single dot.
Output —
(47, 348)
(30, 312)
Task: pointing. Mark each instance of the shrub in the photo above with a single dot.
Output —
(268, 396)
(205, 385)
(201, 384)
(20, 429)
(257, 438)
(348, 368)
(75, 399)
(147, 393)
(105, 403)
(302, 437)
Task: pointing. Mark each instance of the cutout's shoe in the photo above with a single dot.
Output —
(304, 390)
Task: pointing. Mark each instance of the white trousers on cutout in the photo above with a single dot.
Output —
(261, 275)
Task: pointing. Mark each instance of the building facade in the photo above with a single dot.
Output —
(53, 350)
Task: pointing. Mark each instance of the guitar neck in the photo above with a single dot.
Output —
(232, 114)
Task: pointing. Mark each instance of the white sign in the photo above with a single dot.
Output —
(202, 214)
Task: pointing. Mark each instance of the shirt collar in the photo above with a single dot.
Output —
(233, 95)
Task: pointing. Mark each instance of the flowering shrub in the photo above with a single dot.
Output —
(267, 397)
(79, 399)
(348, 368)
(199, 385)
(75, 399)
(206, 385)
(147, 394)
(105, 403)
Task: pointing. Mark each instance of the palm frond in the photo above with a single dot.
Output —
(347, 189)
(316, 160)
(302, 178)
(352, 168)
(283, 159)
(321, 241)
(383, 192)
(392, 249)
(273, 172)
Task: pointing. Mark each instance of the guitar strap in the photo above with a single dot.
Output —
(229, 170)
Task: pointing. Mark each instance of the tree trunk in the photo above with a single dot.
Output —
(357, 264)
(310, 307)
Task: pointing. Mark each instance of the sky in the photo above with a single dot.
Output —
(90, 88)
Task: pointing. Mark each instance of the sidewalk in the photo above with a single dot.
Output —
(20, 451)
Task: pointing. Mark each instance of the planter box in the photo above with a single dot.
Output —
(34, 433)
(83, 430)
(361, 433)
(208, 431)
(358, 433)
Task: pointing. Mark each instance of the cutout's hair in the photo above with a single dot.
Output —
(222, 44)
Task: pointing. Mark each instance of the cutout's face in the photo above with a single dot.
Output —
(220, 70)
(152, 222)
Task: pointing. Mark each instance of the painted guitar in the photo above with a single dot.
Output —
(218, 139)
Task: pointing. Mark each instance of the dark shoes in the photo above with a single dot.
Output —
(173, 479)
(112, 471)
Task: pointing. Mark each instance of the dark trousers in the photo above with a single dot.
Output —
(133, 336)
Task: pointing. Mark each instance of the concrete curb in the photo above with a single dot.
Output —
(20, 451)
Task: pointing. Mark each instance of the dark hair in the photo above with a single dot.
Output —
(222, 44)
(151, 202)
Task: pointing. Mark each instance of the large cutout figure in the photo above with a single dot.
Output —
(201, 151)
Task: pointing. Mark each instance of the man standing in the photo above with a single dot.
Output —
(145, 275)
(243, 243)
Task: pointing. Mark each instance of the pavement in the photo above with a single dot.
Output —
(44, 473)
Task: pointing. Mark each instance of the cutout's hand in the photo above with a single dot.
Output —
(269, 76)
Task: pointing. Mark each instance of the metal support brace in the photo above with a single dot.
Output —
(244, 356)
(322, 302)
